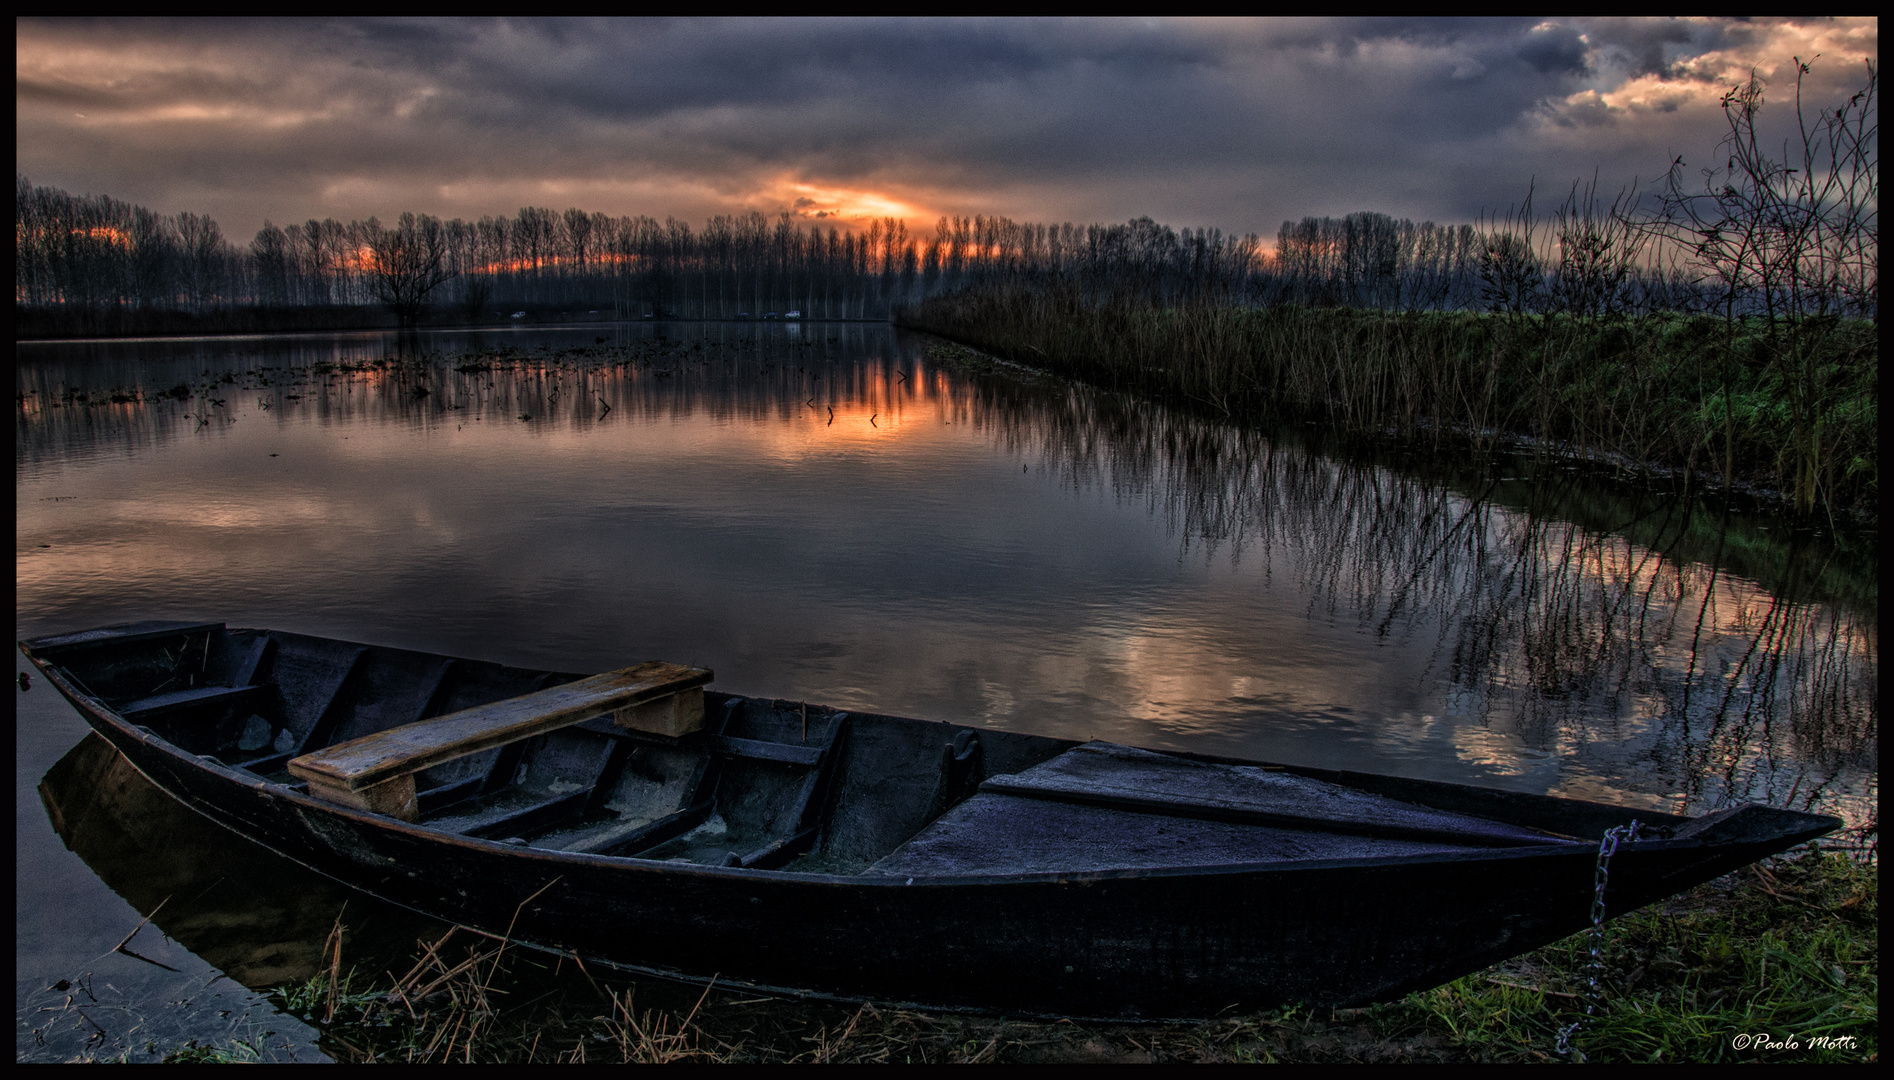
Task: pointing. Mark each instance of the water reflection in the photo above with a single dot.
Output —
(1574, 620)
(220, 909)
(831, 515)
(81, 398)
(259, 918)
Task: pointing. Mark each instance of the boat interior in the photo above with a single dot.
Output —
(646, 764)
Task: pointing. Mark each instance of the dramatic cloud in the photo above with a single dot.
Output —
(1237, 125)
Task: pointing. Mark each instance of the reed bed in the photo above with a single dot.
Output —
(1707, 397)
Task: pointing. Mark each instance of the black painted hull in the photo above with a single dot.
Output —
(1147, 944)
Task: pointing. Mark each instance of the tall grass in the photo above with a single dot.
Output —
(1668, 390)
(1595, 333)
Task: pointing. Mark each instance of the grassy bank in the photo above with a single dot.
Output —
(1788, 949)
(1804, 564)
(1790, 409)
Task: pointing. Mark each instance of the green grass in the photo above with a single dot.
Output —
(1788, 949)
(1790, 408)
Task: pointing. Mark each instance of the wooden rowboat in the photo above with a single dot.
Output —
(640, 820)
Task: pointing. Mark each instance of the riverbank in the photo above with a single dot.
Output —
(1787, 949)
(1751, 408)
(1741, 531)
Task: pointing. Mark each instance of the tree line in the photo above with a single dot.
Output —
(1793, 235)
(94, 251)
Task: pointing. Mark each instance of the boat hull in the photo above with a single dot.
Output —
(1145, 944)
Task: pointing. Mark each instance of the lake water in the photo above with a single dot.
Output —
(824, 512)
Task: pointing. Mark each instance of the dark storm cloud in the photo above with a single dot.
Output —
(1642, 46)
(1234, 124)
(1558, 50)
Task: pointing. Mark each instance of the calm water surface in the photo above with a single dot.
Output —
(821, 512)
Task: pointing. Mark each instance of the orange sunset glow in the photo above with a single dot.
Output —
(844, 205)
(1219, 124)
(1020, 539)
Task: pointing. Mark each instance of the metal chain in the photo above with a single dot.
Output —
(1601, 875)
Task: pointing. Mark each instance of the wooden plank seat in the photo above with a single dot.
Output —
(376, 772)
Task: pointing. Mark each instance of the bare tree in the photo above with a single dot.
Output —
(1791, 243)
(204, 260)
(270, 252)
(477, 290)
(407, 262)
(1599, 253)
(1511, 276)
(1791, 235)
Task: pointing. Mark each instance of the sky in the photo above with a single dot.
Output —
(1233, 124)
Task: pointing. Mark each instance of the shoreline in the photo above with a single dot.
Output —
(1743, 494)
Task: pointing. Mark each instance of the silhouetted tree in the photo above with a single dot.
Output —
(407, 262)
